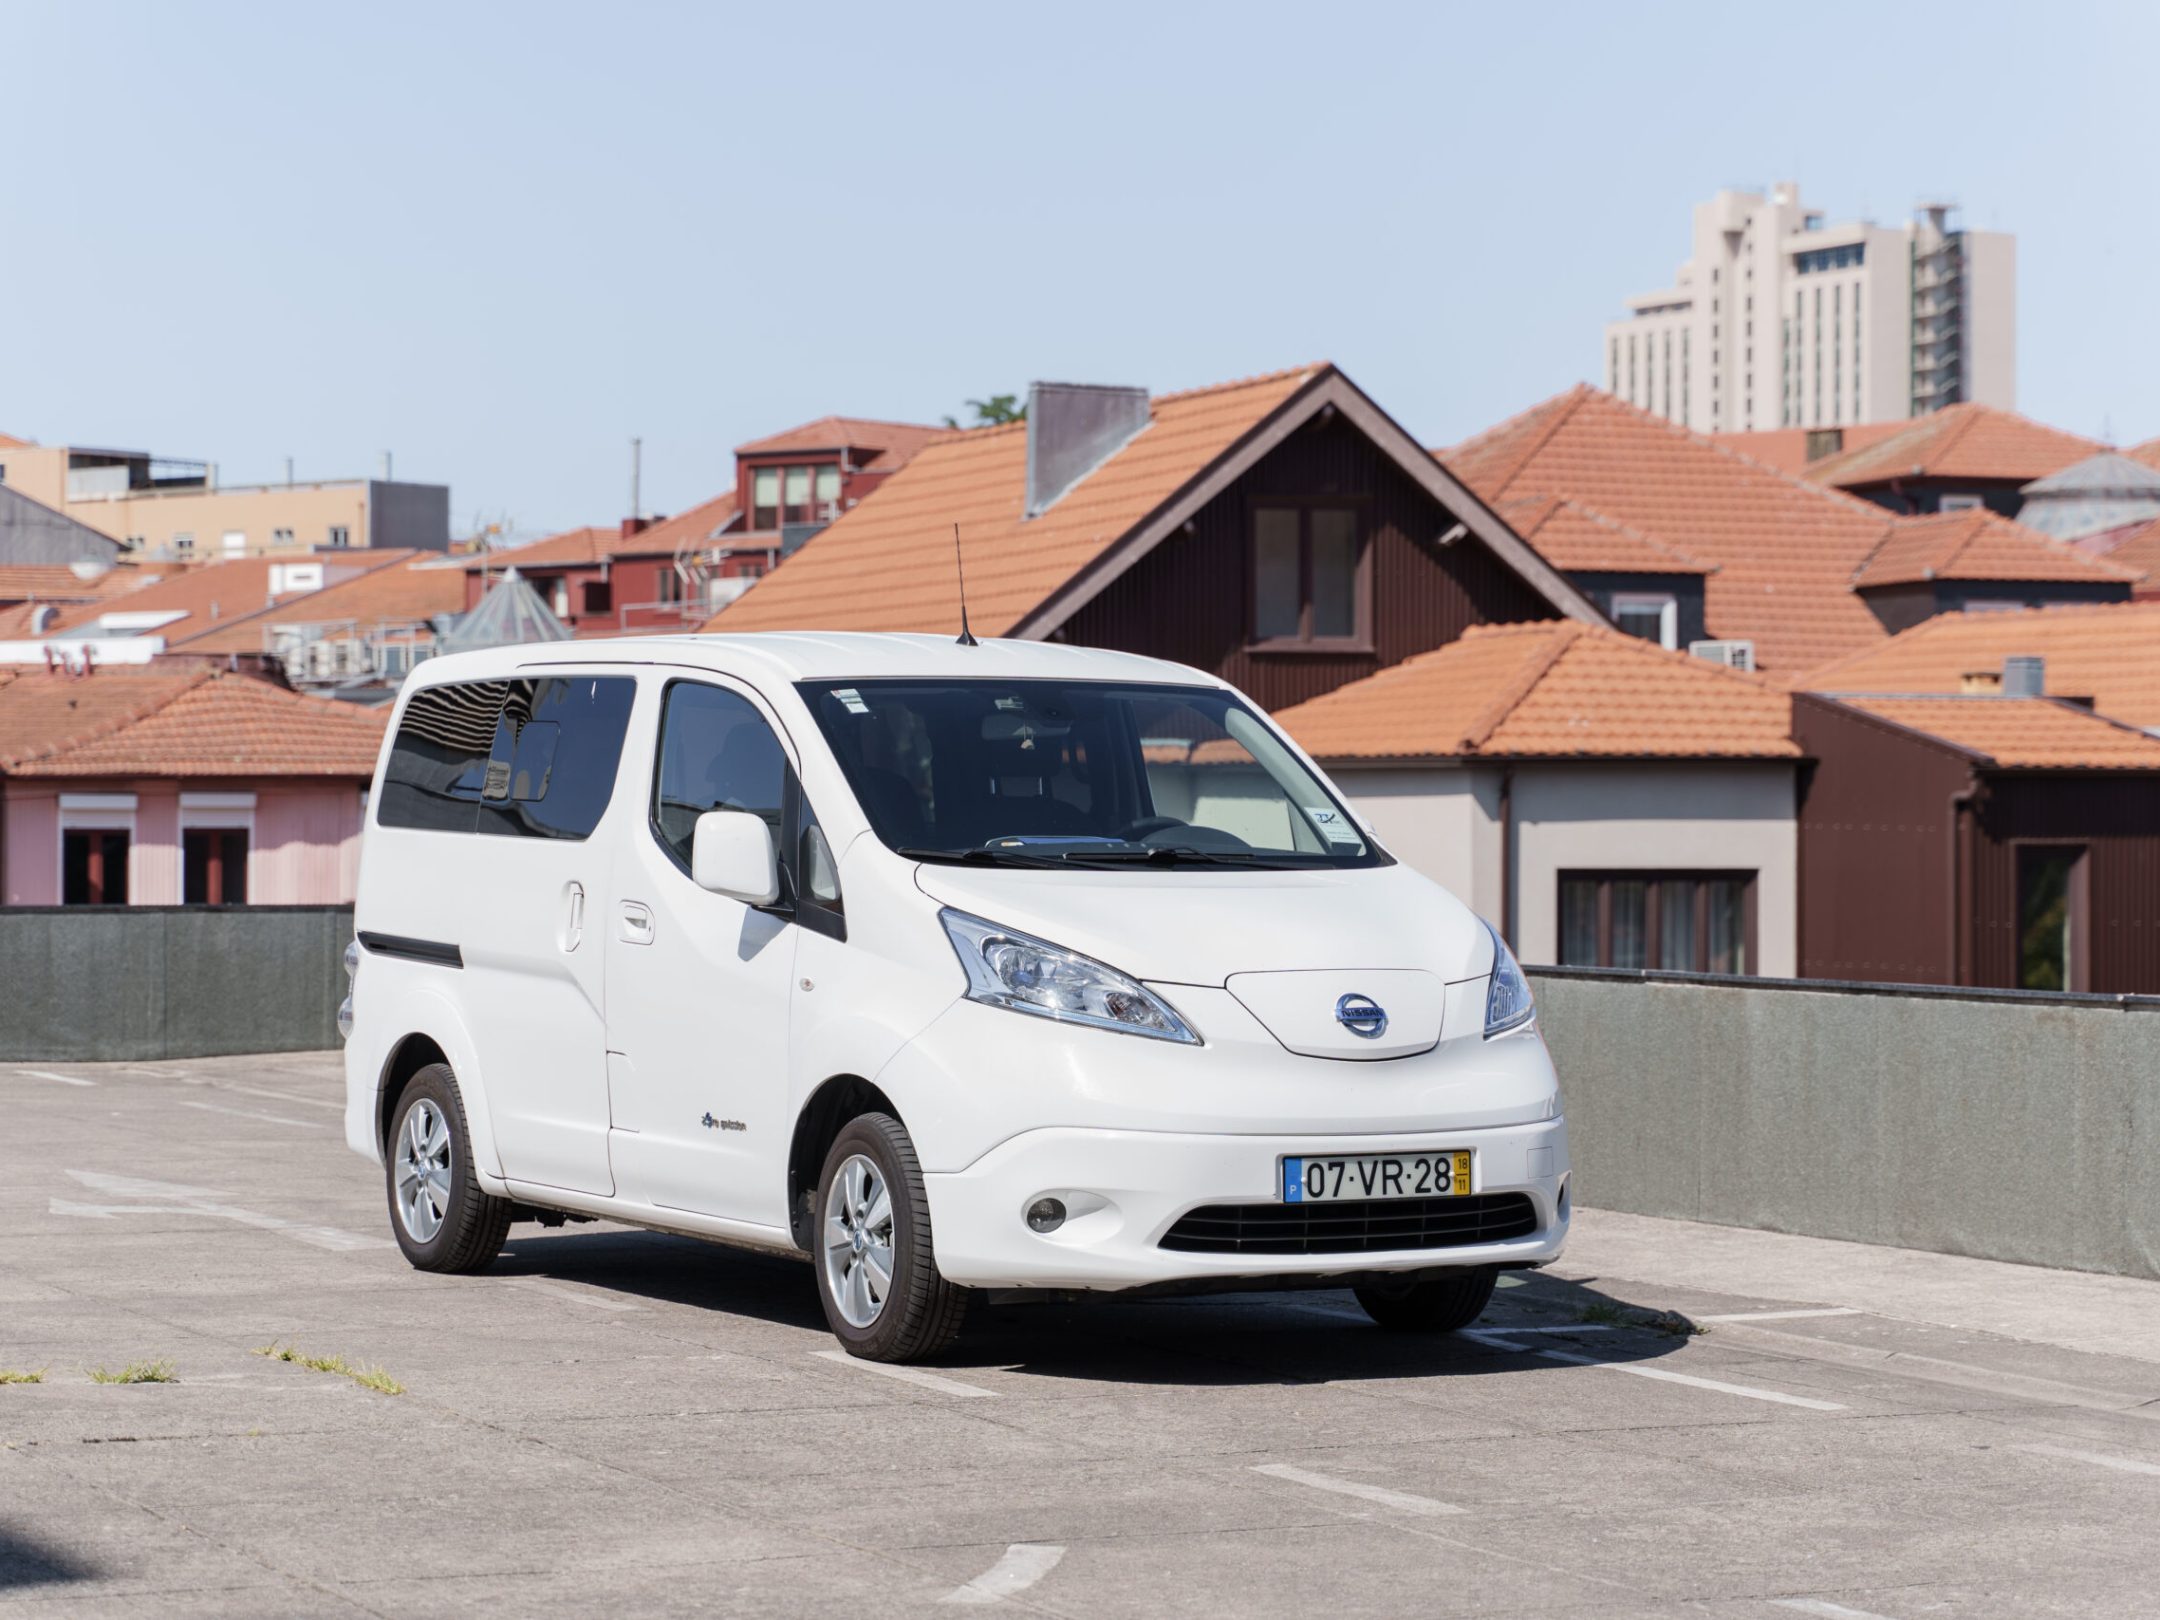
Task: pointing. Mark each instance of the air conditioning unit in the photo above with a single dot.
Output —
(1732, 654)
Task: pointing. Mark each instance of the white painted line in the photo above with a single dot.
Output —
(576, 1296)
(155, 1074)
(173, 1199)
(1403, 1501)
(274, 1096)
(1024, 1563)
(1829, 1611)
(2127, 1465)
(1784, 1316)
(907, 1375)
(1497, 1341)
(252, 1113)
(64, 1079)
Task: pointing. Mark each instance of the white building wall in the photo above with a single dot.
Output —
(1991, 335)
(1618, 816)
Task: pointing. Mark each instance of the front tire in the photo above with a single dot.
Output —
(884, 1298)
(1443, 1304)
(442, 1217)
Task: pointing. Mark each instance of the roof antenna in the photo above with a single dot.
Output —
(967, 637)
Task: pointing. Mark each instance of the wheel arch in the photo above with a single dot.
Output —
(824, 1113)
(434, 1033)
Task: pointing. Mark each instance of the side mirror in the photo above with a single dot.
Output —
(731, 853)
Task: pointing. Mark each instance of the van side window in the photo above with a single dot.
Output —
(526, 758)
(716, 753)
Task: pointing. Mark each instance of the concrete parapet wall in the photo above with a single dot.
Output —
(122, 983)
(2005, 1125)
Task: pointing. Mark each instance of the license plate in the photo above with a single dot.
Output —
(1442, 1174)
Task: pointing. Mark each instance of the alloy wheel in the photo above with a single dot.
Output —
(423, 1170)
(858, 1246)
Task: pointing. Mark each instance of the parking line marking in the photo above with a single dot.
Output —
(254, 1113)
(274, 1096)
(2128, 1465)
(1024, 1563)
(174, 1199)
(907, 1375)
(576, 1296)
(1497, 1341)
(1403, 1501)
(1784, 1316)
(1828, 1610)
(64, 1079)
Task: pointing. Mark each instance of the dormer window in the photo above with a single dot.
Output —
(806, 494)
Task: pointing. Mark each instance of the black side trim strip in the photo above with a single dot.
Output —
(413, 950)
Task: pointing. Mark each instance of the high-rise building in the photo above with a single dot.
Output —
(1779, 320)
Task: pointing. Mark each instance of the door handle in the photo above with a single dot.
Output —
(637, 922)
(574, 916)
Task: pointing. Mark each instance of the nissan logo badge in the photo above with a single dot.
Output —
(1361, 1015)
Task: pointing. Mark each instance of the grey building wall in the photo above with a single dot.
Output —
(409, 515)
(32, 532)
(2008, 1125)
(130, 983)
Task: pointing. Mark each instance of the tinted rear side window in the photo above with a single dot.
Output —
(526, 758)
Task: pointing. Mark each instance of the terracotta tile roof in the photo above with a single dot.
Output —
(696, 528)
(1979, 545)
(2147, 453)
(1785, 550)
(1959, 441)
(569, 549)
(1786, 449)
(2034, 733)
(1580, 539)
(895, 443)
(191, 722)
(56, 582)
(2135, 546)
(402, 593)
(887, 564)
(210, 595)
(2109, 653)
(8, 441)
(1560, 690)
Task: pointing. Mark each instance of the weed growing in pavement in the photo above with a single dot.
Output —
(8, 1375)
(1671, 1323)
(137, 1372)
(366, 1377)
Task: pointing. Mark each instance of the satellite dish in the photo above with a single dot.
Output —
(88, 568)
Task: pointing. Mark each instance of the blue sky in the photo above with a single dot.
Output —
(499, 241)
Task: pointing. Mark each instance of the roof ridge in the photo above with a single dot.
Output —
(201, 675)
(1516, 692)
(1621, 526)
(215, 626)
(1791, 479)
(1567, 404)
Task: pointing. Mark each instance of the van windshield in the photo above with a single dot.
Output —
(1080, 774)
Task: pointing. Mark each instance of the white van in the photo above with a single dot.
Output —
(952, 967)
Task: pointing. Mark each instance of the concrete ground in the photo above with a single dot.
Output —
(615, 1420)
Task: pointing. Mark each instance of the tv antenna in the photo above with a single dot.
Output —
(967, 637)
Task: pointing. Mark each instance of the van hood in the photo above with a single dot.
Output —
(1201, 926)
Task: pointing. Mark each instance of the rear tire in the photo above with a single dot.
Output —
(442, 1217)
(1431, 1304)
(873, 1216)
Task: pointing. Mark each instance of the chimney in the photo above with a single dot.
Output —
(2024, 677)
(636, 525)
(1073, 428)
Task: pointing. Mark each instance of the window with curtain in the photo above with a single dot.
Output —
(1680, 922)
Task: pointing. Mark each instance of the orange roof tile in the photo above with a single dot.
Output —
(1580, 539)
(2109, 653)
(2148, 452)
(1978, 545)
(2135, 546)
(407, 592)
(895, 443)
(210, 595)
(887, 564)
(1786, 449)
(2035, 733)
(695, 528)
(8, 441)
(1550, 690)
(1784, 549)
(1959, 441)
(197, 721)
(567, 549)
(56, 582)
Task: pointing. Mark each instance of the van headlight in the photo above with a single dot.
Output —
(1507, 999)
(1006, 968)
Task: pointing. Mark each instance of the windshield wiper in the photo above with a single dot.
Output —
(1168, 855)
(977, 857)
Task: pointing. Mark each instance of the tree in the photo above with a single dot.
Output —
(994, 411)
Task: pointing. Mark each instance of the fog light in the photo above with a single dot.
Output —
(1045, 1215)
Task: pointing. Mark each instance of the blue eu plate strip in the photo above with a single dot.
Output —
(1293, 1181)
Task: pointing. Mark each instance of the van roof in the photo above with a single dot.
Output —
(796, 655)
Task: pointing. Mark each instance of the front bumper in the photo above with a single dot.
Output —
(1125, 1189)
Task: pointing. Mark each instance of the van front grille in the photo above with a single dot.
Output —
(1364, 1226)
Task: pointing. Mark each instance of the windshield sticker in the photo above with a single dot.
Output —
(851, 700)
(1332, 827)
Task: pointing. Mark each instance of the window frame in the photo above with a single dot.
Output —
(1664, 603)
(796, 814)
(95, 813)
(1360, 639)
(1651, 877)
